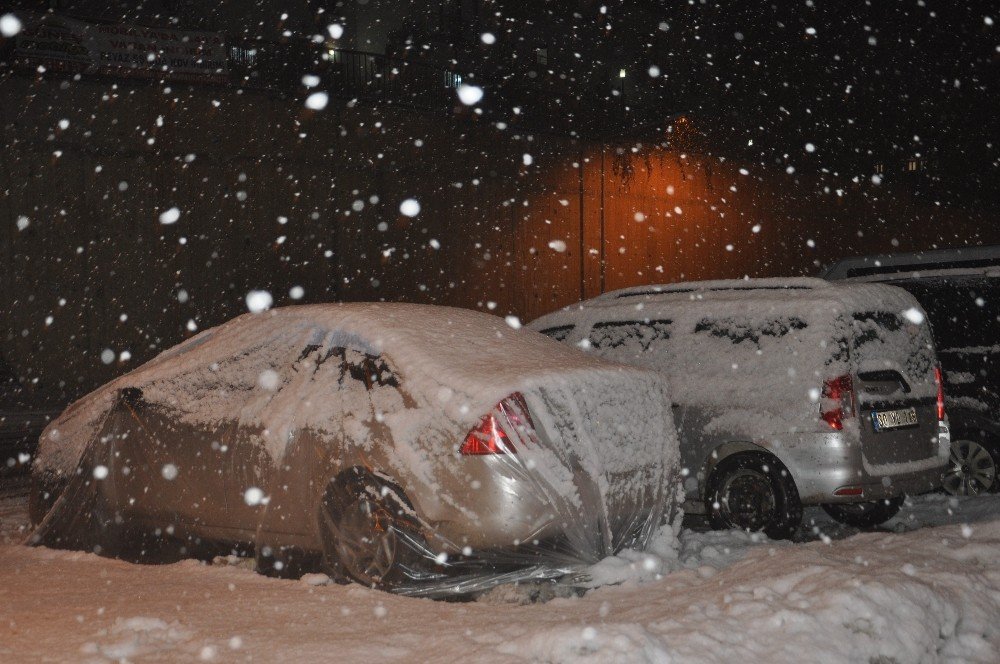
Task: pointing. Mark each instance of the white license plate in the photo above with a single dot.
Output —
(894, 419)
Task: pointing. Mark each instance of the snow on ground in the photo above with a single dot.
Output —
(925, 589)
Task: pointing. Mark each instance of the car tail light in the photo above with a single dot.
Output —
(837, 402)
(939, 381)
(509, 418)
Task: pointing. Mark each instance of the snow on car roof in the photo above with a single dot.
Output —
(454, 362)
(719, 341)
(457, 345)
(781, 293)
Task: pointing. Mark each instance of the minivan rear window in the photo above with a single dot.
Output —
(739, 330)
(880, 336)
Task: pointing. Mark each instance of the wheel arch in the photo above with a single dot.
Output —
(728, 449)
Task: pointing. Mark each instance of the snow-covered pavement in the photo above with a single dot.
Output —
(918, 592)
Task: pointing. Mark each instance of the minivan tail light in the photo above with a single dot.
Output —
(939, 381)
(837, 401)
(509, 419)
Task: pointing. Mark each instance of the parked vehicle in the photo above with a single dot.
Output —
(787, 392)
(960, 290)
(418, 449)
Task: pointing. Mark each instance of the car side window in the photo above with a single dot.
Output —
(621, 338)
(560, 333)
(364, 368)
(750, 331)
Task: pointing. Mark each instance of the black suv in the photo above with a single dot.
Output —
(960, 290)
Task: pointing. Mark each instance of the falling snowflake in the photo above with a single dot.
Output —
(170, 216)
(317, 101)
(258, 301)
(470, 94)
(253, 496)
(10, 25)
(914, 315)
(269, 380)
(410, 207)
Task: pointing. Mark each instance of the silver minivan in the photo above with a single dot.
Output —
(787, 392)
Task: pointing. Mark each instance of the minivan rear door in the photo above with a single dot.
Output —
(893, 371)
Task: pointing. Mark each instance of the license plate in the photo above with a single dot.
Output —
(894, 419)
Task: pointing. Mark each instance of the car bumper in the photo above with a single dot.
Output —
(500, 505)
(830, 468)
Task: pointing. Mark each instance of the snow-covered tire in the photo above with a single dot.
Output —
(866, 514)
(973, 468)
(753, 491)
(368, 531)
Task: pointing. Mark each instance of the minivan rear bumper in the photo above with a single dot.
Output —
(830, 468)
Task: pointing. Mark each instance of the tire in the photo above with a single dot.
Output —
(973, 468)
(753, 491)
(368, 531)
(864, 515)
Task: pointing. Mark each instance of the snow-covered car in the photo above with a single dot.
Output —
(787, 392)
(414, 448)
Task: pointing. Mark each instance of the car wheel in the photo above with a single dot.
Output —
(368, 531)
(753, 491)
(866, 514)
(972, 469)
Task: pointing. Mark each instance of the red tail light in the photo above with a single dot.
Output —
(510, 418)
(939, 381)
(837, 401)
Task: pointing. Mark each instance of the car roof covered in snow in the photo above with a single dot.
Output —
(790, 294)
(459, 344)
(456, 363)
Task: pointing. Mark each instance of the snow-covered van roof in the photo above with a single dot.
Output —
(798, 290)
(758, 348)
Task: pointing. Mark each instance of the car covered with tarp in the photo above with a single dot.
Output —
(419, 449)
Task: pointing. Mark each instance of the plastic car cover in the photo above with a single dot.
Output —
(555, 477)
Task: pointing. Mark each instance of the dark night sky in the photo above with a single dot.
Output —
(866, 83)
